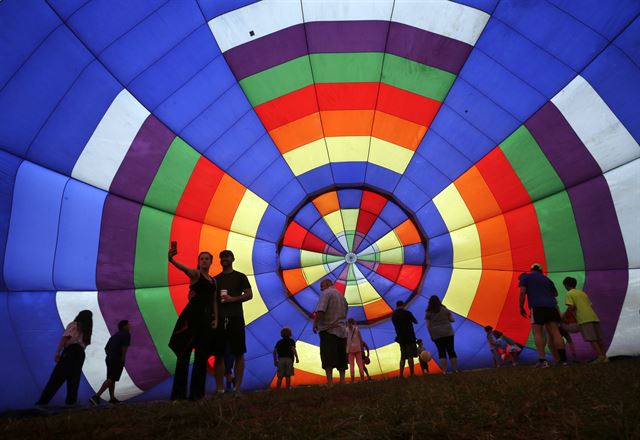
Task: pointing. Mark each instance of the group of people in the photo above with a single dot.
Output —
(212, 323)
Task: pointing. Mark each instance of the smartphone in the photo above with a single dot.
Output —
(174, 245)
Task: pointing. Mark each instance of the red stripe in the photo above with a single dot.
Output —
(372, 202)
(288, 108)
(407, 105)
(410, 276)
(365, 221)
(199, 191)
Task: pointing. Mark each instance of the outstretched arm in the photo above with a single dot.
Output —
(191, 273)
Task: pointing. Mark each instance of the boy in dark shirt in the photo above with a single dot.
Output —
(283, 355)
(116, 350)
(403, 321)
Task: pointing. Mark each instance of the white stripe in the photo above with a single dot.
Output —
(442, 17)
(261, 18)
(626, 339)
(109, 143)
(596, 125)
(94, 368)
(624, 185)
(334, 10)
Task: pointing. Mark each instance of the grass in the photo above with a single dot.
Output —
(583, 401)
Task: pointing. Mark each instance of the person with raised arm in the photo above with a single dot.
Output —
(195, 327)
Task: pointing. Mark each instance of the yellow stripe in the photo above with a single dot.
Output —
(250, 211)
(334, 220)
(313, 273)
(307, 157)
(350, 219)
(389, 241)
(462, 289)
(452, 208)
(348, 148)
(467, 253)
(352, 295)
(388, 155)
(367, 293)
(255, 308)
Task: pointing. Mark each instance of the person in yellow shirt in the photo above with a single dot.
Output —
(579, 304)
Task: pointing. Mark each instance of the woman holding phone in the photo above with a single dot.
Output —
(195, 327)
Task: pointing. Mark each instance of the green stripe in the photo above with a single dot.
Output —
(527, 159)
(172, 177)
(347, 68)
(552, 204)
(154, 232)
(159, 315)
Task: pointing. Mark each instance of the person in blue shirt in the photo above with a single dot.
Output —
(116, 351)
(541, 294)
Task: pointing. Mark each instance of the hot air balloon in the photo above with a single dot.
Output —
(400, 148)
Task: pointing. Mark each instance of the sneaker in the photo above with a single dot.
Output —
(95, 400)
(542, 364)
(114, 401)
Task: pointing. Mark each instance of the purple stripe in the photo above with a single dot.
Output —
(347, 36)
(427, 48)
(116, 253)
(344, 37)
(266, 52)
(606, 290)
(142, 161)
(600, 235)
(567, 154)
(143, 362)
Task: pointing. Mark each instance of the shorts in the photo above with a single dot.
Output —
(424, 366)
(230, 337)
(445, 347)
(591, 331)
(408, 350)
(333, 351)
(544, 315)
(285, 367)
(114, 369)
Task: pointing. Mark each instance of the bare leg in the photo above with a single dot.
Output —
(329, 373)
(106, 384)
(288, 381)
(401, 367)
(112, 390)
(597, 347)
(454, 363)
(279, 383)
(342, 372)
(239, 371)
(443, 364)
(539, 339)
(411, 370)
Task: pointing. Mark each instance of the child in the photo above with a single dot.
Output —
(366, 360)
(507, 347)
(283, 355)
(424, 366)
(493, 347)
(354, 348)
(116, 350)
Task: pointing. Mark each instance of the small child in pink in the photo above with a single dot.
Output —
(354, 348)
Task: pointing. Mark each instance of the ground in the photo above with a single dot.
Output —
(581, 401)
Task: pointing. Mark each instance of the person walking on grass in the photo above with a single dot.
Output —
(541, 294)
(195, 327)
(355, 349)
(578, 303)
(439, 320)
(403, 321)
(234, 289)
(330, 323)
(283, 354)
(69, 358)
(116, 350)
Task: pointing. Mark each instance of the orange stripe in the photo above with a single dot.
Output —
(294, 280)
(347, 122)
(477, 195)
(494, 243)
(297, 133)
(408, 233)
(490, 297)
(327, 203)
(398, 131)
(376, 310)
(214, 240)
(224, 203)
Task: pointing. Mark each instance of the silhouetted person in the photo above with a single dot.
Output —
(330, 323)
(403, 321)
(439, 320)
(194, 329)
(116, 350)
(69, 359)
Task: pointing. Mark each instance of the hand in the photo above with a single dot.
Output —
(172, 253)
(523, 312)
(214, 324)
(56, 358)
(225, 298)
(297, 361)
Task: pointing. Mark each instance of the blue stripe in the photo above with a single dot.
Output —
(79, 237)
(9, 165)
(33, 231)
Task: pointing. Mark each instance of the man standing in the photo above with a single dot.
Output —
(116, 350)
(541, 294)
(234, 289)
(330, 322)
(403, 321)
